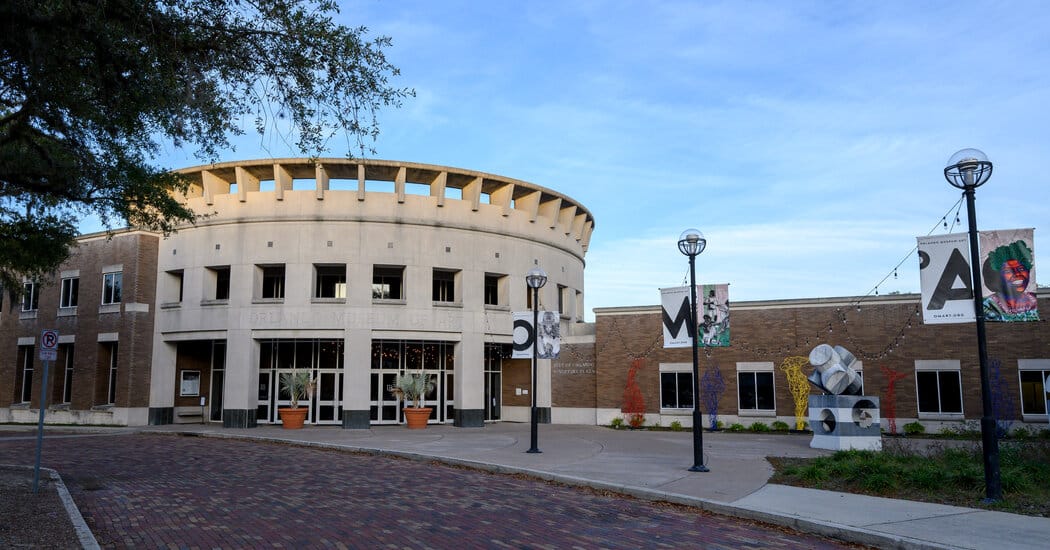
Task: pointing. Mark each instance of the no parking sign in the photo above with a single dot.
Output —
(49, 345)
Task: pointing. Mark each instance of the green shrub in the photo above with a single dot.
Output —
(781, 426)
(735, 427)
(719, 424)
(676, 426)
(617, 423)
(759, 427)
(914, 428)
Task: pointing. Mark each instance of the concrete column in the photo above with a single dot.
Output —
(162, 382)
(241, 400)
(357, 361)
(470, 381)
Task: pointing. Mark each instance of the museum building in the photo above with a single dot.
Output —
(359, 270)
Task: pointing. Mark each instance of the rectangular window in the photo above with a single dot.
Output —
(561, 300)
(70, 290)
(492, 284)
(755, 391)
(112, 284)
(1034, 385)
(676, 390)
(173, 286)
(222, 282)
(30, 296)
(190, 383)
(940, 392)
(444, 288)
(272, 281)
(66, 350)
(938, 387)
(111, 393)
(330, 281)
(387, 282)
(25, 372)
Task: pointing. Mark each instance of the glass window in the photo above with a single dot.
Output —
(676, 390)
(444, 285)
(273, 281)
(222, 283)
(387, 283)
(190, 383)
(30, 296)
(25, 371)
(492, 289)
(1033, 391)
(111, 394)
(70, 289)
(939, 392)
(330, 281)
(755, 391)
(111, 287)
(173, 288)
(67, 380)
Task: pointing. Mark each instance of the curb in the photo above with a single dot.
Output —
(846, 533)
(87, 538)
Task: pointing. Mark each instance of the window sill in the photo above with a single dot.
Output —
(59, 407)
(757, 413)
(1038, 418)
(24, 405)
(27, 314)
(102, 408)
(387, 302)
(941, 416)
(109, 308)
(458, 305)
(497, 307)
(326, 300)
(676, 412)
(171, 305)
(67, 311)
(209, 303)
(269, 300)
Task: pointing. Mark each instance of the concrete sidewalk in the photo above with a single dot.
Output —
(653, 465)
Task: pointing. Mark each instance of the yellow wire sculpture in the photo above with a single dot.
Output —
(799, 386)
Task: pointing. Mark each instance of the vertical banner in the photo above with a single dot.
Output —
(525, 335)
(714, 315)
(945, 279)
(1008, 272)
(674, 306)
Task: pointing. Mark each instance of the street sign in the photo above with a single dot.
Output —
(49, 345)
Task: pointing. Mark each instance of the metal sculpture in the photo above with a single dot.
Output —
(833, 370)
(799, 386)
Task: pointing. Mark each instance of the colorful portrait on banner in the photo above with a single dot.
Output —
(945, 279)
(1008, 271)
(713, 302)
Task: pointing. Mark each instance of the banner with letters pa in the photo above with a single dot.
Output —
(945, 279)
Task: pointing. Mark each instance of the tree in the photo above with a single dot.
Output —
(90, 90)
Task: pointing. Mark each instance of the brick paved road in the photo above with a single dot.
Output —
(152, 491)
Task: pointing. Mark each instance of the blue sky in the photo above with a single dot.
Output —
(806, 140)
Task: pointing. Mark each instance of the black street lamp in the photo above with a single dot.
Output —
(692, 243)
(969, 169)
(535, 278)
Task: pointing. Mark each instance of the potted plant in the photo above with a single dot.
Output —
(412, 388)
(298, 385)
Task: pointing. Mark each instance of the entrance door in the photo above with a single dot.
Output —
(328, 398)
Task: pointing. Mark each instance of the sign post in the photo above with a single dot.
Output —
(48, 353)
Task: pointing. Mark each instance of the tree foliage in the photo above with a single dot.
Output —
(92, 90)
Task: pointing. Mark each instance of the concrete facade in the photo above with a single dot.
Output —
(376, 262)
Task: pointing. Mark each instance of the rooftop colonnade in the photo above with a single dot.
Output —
(355, 269)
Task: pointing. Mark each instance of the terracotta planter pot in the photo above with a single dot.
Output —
(292, 419)
(417, 418)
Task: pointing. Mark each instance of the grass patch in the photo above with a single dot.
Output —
(940, 474)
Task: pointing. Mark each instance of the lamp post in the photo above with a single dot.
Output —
(692, 243)
(535, 278)
(968, 169)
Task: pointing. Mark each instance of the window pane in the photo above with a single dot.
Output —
(764, 390)
(1033, 398)
(668, 390)
(746, 384)
(685, 390)
(951, 398)
(926, 381)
